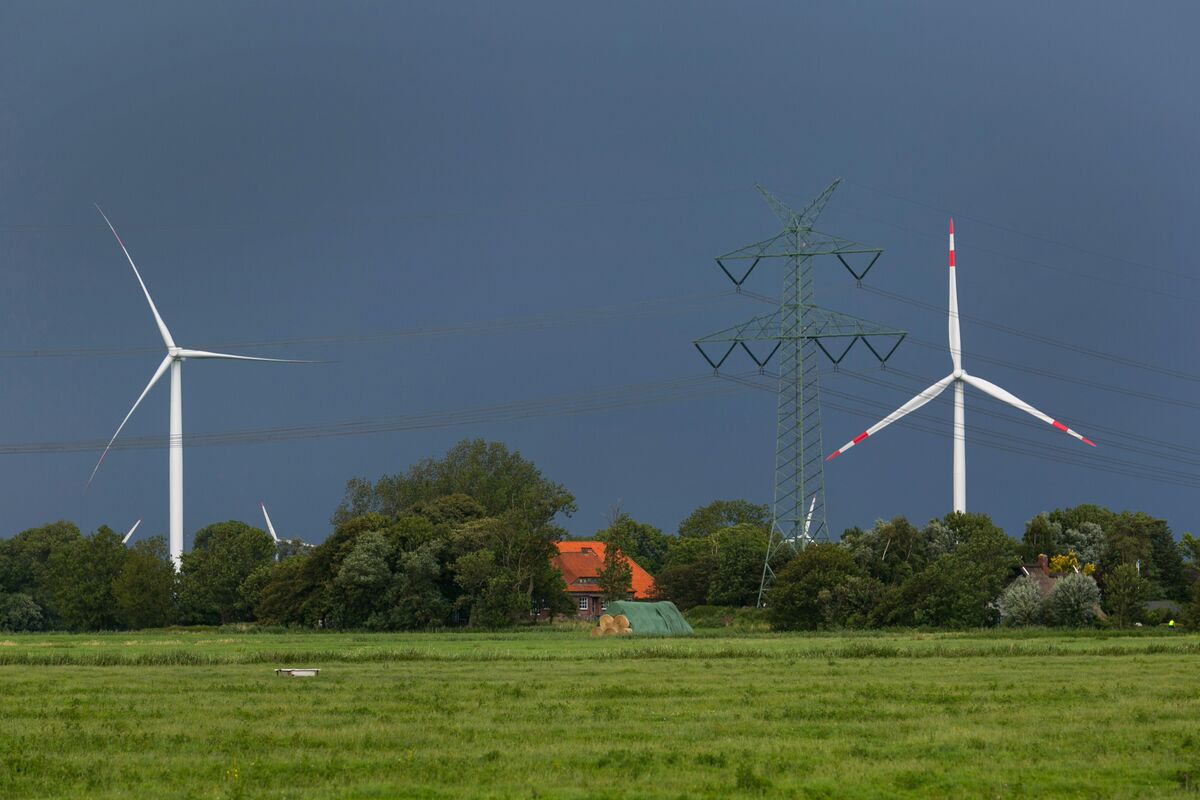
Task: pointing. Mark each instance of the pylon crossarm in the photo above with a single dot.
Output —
(884, 357)
(807, 217)
(860, 275)
(784, 245)
(818, 323)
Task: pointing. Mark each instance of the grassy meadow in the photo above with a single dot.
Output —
(552, 713)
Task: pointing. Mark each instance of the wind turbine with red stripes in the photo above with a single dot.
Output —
(958, 377)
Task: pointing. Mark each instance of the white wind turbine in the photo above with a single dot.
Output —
(129, 535)
(173, 360)
(958, 377)
(270, 528)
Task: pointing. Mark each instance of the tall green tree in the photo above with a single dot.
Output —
(498, 479)
(891, 551)
(958, 589)
(19, 613)
(1125, 594)
(1042, 535)
(740, 551)
(802, 589)
(144, 590)
(286, 597)
(644, 543)
(362, 581)
(685, 578)
(223, 556)
(25, 562)
(615, 576)
(81, 575)
(707, 520)
(1190, 547)
(503, 565)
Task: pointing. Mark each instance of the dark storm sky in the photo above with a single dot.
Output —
(291, 170)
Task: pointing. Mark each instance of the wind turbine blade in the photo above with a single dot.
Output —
(809, 515)
(912, 405)
(158, 373)
(270, 527)
(162, 326)
(955, 333)
(184, 353)
(131, 530)
(987, 387)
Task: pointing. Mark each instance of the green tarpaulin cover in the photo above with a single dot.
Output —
(652, 619)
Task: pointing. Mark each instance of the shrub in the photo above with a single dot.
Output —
(1192, 612)
(795, 601)
(20, 612)
(1021, 603)
(1073, 600)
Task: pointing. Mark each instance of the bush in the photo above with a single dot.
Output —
(1073, 600)
(1021, 603)
(1192, 612)
(796, 601)
(20, 612)
(726, 617)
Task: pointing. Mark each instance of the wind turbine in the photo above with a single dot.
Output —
(174, 361)
(270, 528)
(958, 377)
(808, 518)
(129, 535)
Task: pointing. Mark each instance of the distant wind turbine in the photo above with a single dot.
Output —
(173, 360)
(129, 535)
(808, 518)
(270, 528)
(958, 377)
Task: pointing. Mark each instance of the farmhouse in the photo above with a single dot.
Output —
(1045, 579)
(580, 564)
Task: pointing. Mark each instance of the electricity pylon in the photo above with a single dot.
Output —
(799, 331)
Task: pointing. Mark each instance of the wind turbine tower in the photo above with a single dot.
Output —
(959, 378)
(174, 362)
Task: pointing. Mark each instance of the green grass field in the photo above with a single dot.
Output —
(553, 713)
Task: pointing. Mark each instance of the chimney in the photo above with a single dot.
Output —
(1044, 562)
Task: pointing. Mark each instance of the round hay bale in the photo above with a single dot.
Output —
(606, 620)
(622, 622)
(611, 632)
(625, 631)
(596, 632)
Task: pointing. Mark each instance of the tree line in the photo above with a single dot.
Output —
(467, 540)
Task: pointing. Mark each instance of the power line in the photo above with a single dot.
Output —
(611, 398)
(1025, 234)
(1075, 348)
(655, 307)
(1058, 376)
(1154, 448)
(1004, 442)
(1008, 329)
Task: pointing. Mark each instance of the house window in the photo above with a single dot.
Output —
(583, 604)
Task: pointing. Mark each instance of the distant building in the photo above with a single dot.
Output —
(1045, 580)
(1041, 575)
(580, 564)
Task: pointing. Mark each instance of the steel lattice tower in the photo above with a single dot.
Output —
(800, 331)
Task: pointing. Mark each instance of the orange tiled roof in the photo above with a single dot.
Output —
(584, 560)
